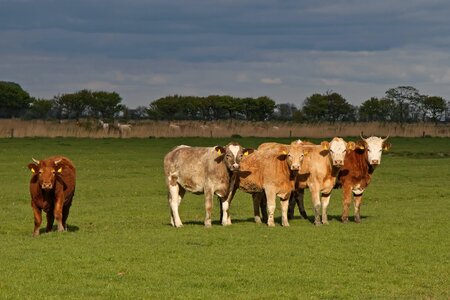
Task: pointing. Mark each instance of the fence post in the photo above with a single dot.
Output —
(12, 132)
(290, 135)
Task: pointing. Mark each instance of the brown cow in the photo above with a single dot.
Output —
(202, 170)
(52, 187)
(319, 173)
(271, 172)
(355, 175)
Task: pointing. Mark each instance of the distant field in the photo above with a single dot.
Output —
(216, 129)
(120, 244)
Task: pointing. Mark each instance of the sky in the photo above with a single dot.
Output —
(286, 49)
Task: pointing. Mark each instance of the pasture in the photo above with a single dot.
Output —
(120, 244)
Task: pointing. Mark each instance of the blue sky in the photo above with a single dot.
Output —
(286, 50)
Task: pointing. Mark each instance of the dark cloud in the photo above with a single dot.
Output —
(263, 41)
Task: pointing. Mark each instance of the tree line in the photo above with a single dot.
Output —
(400, 104)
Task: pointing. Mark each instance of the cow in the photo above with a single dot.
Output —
(202, 170)
(271, 172)
(319, 172)
(104, 126)
(52, 187)
(123, 129)
(355, 175)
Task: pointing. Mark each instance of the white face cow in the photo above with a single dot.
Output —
(233, 155)
(375, 146)
(338, 148)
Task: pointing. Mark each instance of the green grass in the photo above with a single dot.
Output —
(121, 246)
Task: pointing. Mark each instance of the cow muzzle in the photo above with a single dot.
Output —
(234, 167)
(47, 186)
(295, 167)
(338, 163)
(375, 162)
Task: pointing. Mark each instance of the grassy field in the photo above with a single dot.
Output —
(120, 244)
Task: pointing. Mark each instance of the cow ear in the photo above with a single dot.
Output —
(386, 146)
(351, 146)
(220, 150)
(325, 145)
(248, 151)
(33, 168)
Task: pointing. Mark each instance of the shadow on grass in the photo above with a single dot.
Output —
(70, 228)
(330, 218)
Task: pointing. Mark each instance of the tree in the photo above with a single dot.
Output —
(408, 101)
(40, 109)
(105, 105)
(73, 105)
(284, 111)
(375, 109)
(315, 108)
(434, 107)
(14, 101)
(329, 107)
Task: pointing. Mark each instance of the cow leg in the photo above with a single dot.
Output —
(284, 210)
(57, 211)
(325, 201)
(225, 218)
(257, 199)
(315, 197)
(271, 205)
(66, 210)
(209, 195)
(347, 199)
(263, 206)
(358, 200)
(301, 204)
(50, 220)
(37, 219)
(291, 207)
(174, 202)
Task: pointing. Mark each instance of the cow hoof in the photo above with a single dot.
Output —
(317, 223)
(285, 224)
(179, 225)
(271, 224)
(357, 220)
(258, 220)
(345, 221)
(325, 223)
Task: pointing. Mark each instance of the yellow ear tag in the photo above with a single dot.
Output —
(60, 170)
(33, 171)
(305, 153)
(386, 149)
(325, 147)
(245, 153)
(361, 147)
(219, 152)
(284, 152)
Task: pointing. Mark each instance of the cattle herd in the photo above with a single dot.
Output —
(270, 171)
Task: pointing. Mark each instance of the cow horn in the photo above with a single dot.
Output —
(384, 140)
(362, 137)
(35, 161)
(58, 161)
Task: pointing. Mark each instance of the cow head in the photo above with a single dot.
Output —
(232, 154)
(295, 155)
(375, 146)
(46, 172)
(337, 149)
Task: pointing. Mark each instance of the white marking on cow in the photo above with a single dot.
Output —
(234, 149)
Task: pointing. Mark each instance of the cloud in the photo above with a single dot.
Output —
(271, 80)
(148, 49)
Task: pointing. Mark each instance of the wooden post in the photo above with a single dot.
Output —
(12, 132)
